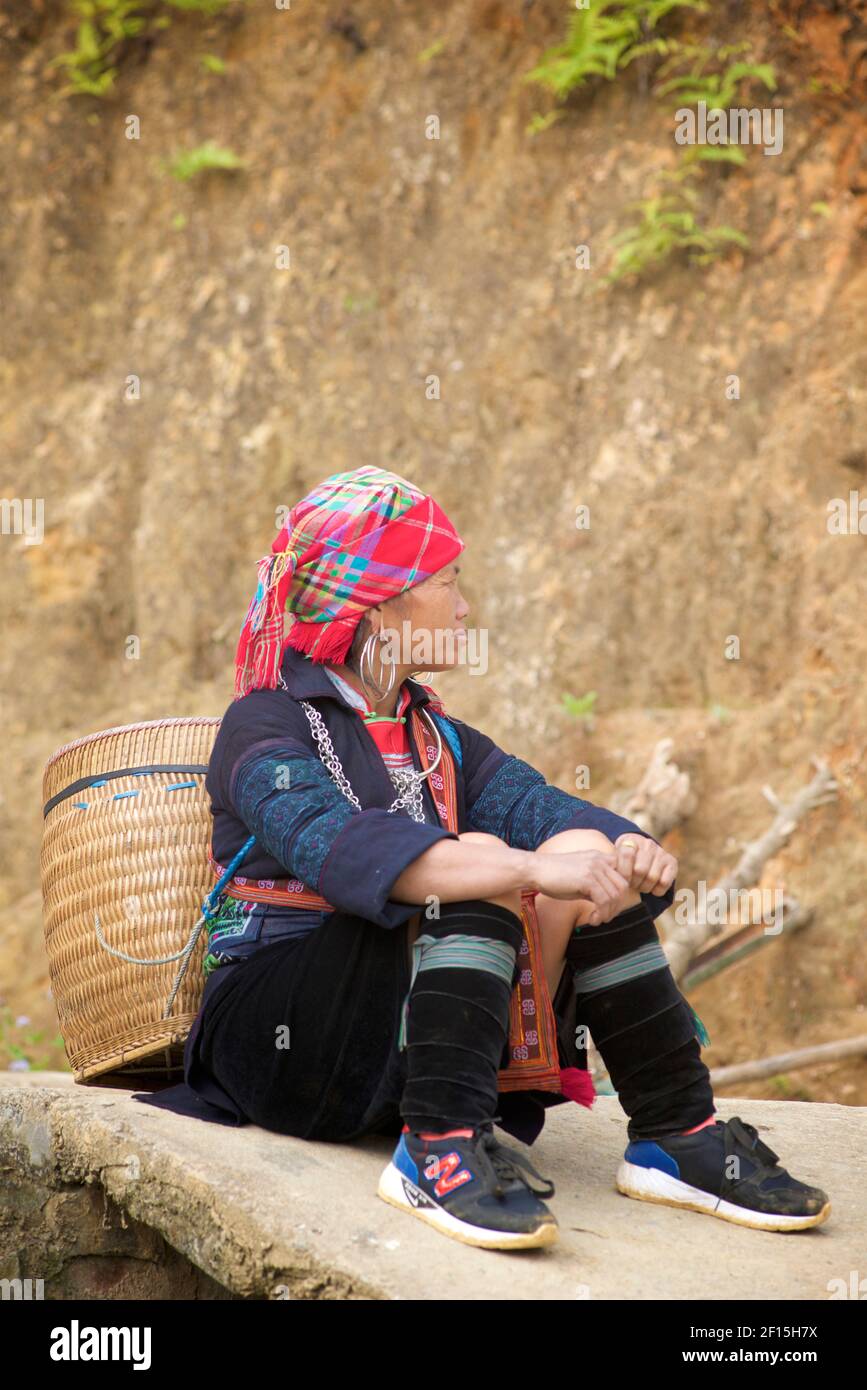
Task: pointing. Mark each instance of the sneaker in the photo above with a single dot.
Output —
(471, 1187)
(692, 1171)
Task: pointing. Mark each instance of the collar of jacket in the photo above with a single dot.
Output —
(306, 680)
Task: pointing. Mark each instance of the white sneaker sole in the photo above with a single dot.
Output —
(652, 1185)
(400, 1192)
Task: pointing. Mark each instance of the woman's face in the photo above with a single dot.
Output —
(427, 622)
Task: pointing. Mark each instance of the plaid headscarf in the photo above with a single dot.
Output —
(356, 540)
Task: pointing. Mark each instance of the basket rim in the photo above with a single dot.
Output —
(128, 729)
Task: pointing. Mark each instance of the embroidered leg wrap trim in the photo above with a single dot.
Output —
(642, 1024)
(456, 1014)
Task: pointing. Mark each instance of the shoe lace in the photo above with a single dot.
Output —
(504, 1166)
(748, 1136)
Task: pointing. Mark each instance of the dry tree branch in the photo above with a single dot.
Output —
(789, 1061)
(662, 798)
(684, 939)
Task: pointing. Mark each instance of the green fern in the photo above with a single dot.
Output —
(606, 38)
(433, 50)
(581, 706)
(103, 27)
(677, 53)
(718, 89)
(668, 224)
(602, 39)
(540, 122)
(204, 157)
(714, 154)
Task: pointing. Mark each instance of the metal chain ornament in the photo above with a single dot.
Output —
(405, 780)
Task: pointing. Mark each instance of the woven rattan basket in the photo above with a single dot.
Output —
(126, 836)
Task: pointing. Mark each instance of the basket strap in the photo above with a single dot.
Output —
(185, 953)
(96, 779)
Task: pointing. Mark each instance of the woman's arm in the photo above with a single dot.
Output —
(508, 797)
(452, 870)
(285, 796)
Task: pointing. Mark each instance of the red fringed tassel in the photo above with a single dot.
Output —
(324, 641)
(577, 1085)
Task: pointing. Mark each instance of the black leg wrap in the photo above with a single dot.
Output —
(458, 1023)
(641, 1023)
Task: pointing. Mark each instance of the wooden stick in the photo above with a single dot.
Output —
(663, 797)
(789, 1061)
(683, 940)
(739, 945)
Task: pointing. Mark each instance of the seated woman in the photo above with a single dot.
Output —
(313, 1022)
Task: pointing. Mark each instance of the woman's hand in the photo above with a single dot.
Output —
(584, 874)
(645, 864)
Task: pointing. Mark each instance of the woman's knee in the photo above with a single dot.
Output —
(510, 899)
(576, 841)
(572, 841)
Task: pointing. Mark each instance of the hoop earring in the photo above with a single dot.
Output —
(367, 656)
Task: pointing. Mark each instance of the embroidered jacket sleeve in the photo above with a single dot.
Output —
(284, 795)
(507, 797)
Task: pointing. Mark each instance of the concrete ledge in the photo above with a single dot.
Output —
(262, 1215)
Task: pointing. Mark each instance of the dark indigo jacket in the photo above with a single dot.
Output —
(265, 777)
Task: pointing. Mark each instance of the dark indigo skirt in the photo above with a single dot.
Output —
(303, 1036)
(334, 1000)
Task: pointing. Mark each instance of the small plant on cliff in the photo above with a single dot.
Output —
(668, 224)
(104, 26)
(601, 39)
(717, 89)
(582, 707)
(607, 37)
(207, 156)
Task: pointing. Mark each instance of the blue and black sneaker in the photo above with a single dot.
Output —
(471, 1187)
(725, 1170)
